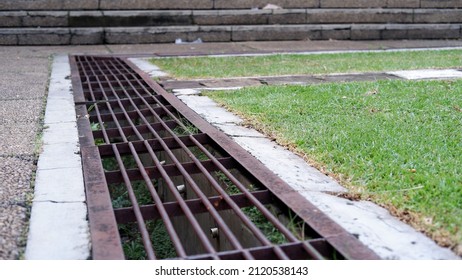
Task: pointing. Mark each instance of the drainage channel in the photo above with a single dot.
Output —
(162, 183)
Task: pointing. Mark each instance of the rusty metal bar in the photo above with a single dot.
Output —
(153, 139)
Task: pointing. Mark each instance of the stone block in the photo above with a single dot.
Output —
(249, 4)
(30, 5)
(8, 39)
(437, 16)
(147, 18)
(211, 34)
(379, 15)
(155, 4)
(434, 31)
(441, 3)
(276, 33)
(403, 4)
(140, 35)
(87, 36)
(11, 19)
(86, 19)
(421, 31)
(366, 31)
(290, 16)
(231, 17)
(336, 32)
(353, 3)
(395, 32)
(44, 36)
(46, 19)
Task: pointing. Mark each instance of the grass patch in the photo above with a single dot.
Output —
(291, 64)
(398, 143)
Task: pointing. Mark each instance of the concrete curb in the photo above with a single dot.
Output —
(58, 223)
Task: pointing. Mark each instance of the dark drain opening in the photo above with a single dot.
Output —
(162, 183)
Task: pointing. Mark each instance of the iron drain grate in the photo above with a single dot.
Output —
(163, 183)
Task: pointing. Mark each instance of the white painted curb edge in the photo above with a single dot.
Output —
(58, 225)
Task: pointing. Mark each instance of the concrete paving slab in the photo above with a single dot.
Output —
(356, 77)
(227, 83)
(60, 185)
(56, 156)
(186, 91)
(290, 80)
(57, 114)
(376, 228)
(290, 167)
(168, 85)
(428, 74)
(234, 130)
(58, 231)
(56, 133)
(24, 145)
(208, 109)
(59, 105)
(148, 67)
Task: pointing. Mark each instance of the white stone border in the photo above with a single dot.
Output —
(58, 224)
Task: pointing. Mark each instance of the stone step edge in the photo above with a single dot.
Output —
(169, 34)
(217, 4)
(225, 17)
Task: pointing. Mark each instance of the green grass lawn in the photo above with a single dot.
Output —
(398, 143)
(291, 64)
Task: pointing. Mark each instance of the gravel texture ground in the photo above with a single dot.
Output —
(22, 92)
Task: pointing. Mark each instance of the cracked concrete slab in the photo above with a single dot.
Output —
(61, 155)
(70, 241)
(62, 185)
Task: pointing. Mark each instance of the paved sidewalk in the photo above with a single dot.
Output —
(23, 88)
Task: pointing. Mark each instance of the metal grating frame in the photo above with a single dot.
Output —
(152, 164)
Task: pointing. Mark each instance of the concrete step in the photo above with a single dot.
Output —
(218, 4)
(216, 33)
(95, 18)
